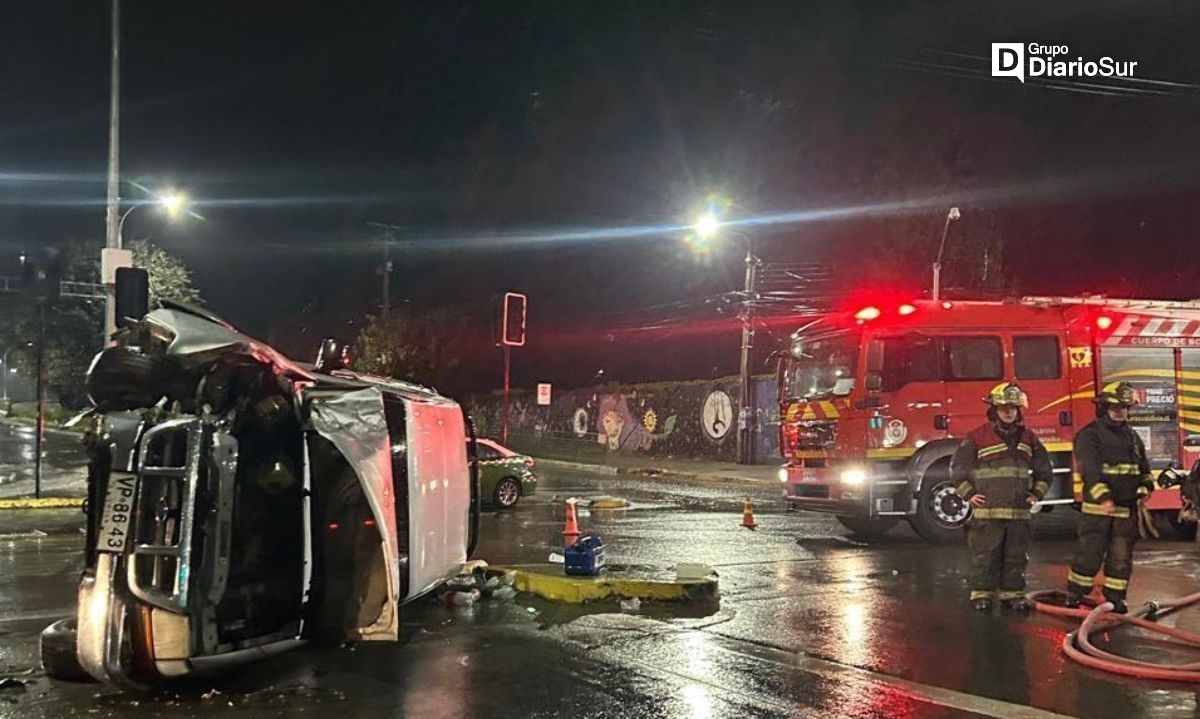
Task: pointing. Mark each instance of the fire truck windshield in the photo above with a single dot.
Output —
(820, 367)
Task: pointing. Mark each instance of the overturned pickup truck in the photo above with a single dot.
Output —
(241, 504)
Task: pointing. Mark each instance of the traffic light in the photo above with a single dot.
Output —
(513, 330)
(41, 274)
(132, 290)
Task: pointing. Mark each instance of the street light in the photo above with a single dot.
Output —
(173, 203)
(952, 216)
(707, 225)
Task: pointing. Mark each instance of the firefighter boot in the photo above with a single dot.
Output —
(1020, 604)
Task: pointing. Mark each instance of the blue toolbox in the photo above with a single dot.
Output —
(585, 557)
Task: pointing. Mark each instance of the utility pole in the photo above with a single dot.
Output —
(504, 420)
(113, 230)
(747, 419)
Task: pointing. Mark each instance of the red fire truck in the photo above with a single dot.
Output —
(874, 400)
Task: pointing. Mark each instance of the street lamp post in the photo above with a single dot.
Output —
(173, 203)
(706, 227)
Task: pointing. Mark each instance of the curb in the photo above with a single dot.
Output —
(42, 503)
(563, 464)
(657, 472)
(559, 587)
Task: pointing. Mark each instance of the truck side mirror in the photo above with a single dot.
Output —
(874, 357)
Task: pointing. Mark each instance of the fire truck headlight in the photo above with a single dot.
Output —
(854, 477)
(783, 474)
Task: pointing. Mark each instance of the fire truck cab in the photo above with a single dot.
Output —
(874, 401)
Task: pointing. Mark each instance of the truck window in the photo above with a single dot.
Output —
(973, 358)
(1036, 357)
(907, 359)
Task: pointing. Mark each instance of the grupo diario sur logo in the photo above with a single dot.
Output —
(1022, 60)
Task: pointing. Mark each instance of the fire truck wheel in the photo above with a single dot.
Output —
(867, 527)
(941, 514)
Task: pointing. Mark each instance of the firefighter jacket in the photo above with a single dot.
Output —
(999, 466)
(1111, 460)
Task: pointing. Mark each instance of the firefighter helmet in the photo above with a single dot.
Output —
(1007, 393)
(1117, 393)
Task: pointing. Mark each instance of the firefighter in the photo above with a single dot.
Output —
(1116, 476)
(992, 468)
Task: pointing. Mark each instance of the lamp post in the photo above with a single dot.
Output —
(174, 204)
(706, 227)
(951, 216)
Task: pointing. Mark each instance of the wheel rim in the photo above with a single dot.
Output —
(507, 493)
(946, 507)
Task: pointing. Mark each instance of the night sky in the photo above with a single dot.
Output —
(550, 146)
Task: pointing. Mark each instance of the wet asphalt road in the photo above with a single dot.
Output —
(810, 624)
(64, 460)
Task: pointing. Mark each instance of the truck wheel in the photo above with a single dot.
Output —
(58, 652)
(941, 514)
(868, 527)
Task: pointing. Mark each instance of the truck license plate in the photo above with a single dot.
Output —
(118, 513)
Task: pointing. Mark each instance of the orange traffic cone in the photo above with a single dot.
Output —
(571, 526)
(748, 515)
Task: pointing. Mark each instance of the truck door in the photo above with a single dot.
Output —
(1039, 368)
(914, 398)
(971, 366)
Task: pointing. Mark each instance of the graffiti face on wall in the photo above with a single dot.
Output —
(621, 431)
(716, 415)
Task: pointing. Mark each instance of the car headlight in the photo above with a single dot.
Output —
(783, 474)
(854, 477)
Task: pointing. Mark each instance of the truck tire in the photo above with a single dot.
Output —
(867, 527)
(58, 652)
(942, 515)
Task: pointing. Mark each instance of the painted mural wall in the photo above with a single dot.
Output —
(696, 419)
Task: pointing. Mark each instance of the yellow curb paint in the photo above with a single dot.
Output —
(576, 590)
(43, 503)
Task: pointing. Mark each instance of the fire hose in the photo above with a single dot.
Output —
(1097, 617)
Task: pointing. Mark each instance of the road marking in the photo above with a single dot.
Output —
(43, 503)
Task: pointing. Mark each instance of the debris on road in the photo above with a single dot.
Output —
(631, 606)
